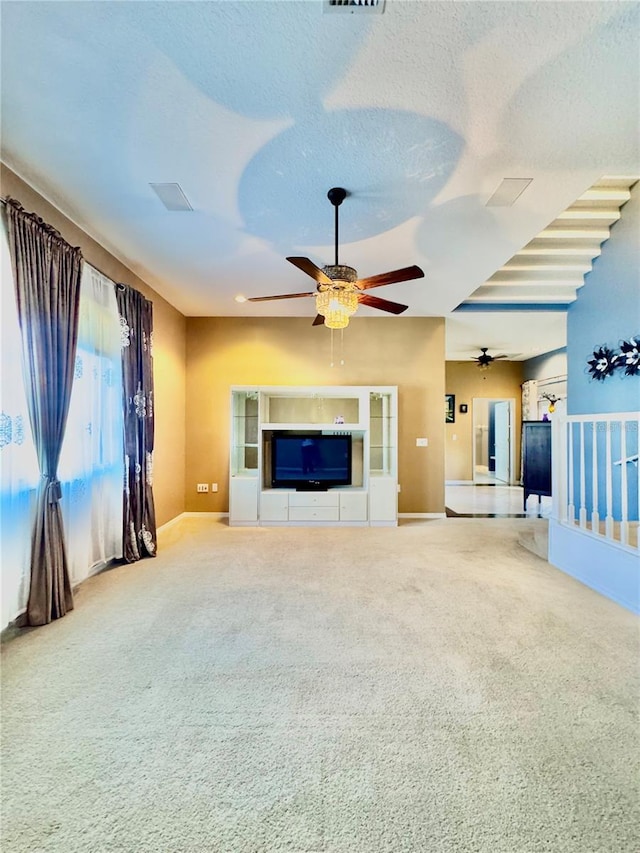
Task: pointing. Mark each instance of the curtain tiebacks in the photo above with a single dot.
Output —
(54, 491)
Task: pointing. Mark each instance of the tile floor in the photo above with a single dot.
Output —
(482, 501)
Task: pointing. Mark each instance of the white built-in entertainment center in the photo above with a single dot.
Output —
(367, 415)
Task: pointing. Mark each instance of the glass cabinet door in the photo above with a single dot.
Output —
(381, 434)
(244, 439)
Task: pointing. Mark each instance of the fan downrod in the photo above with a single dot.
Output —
(336, 196)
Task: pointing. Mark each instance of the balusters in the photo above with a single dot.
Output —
(583, 485)
(624, 508)
(585, 477)
(608, 523)
(595, 513)
(571, 509)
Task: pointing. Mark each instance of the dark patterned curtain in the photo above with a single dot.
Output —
(139, 525)
(47, 273)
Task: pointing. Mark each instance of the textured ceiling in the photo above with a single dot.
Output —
(257, 108)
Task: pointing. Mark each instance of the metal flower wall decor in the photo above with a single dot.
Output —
(606, 361)
(603, 363)
(629, 357)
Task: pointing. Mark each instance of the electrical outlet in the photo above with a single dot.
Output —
(214, 487)
(202, 487)
(399, 488)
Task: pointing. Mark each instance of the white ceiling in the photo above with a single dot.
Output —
(518, 335)
(257, 108)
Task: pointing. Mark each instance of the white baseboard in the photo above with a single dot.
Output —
(422, 515)
(205, 514)
(170, 523)
(177, 518)
(97, 568)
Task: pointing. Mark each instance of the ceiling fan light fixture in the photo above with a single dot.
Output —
(337, 303)
(336, 320)
(341, 274)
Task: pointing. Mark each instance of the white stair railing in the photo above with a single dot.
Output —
(595, 465)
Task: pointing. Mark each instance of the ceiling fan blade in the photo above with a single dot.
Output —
(500, 356)
(311, 269)
(382, 304)
(281, 296)
(318, 320)
(405, 274)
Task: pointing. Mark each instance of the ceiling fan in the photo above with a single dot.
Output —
(339, 291)
(485, 360)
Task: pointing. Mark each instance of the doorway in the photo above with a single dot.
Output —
(493, 441)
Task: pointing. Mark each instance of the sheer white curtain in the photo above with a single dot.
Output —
(91, 462)
(19, 472)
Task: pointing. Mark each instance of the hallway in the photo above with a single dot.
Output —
(493, 501)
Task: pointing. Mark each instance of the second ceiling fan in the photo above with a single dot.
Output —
(484, 360)
(339, 291)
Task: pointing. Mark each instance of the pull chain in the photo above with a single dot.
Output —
(341, 349)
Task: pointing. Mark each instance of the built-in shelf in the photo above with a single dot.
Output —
(368, 414)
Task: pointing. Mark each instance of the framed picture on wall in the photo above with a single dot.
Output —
(449, 408)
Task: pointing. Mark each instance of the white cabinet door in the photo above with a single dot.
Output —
(274, 506)
(383, 499)
(353, 506)
(243, 499)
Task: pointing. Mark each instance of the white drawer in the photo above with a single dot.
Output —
(306, 513)
(314, 499)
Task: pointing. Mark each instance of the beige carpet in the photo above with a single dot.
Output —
(432, 688)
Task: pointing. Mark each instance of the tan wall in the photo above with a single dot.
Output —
(407, 352)
(169, 349)
(502, 380)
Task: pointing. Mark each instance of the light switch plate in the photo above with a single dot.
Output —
(422, 442)
(202, 487)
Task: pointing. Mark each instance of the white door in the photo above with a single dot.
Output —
(503, 441)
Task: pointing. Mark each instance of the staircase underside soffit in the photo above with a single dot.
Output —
(551, 268)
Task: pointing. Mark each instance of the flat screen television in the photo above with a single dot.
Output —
(306, 461)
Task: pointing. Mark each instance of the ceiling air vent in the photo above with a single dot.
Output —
(353, 7)
(509, 190)
(172, 196)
